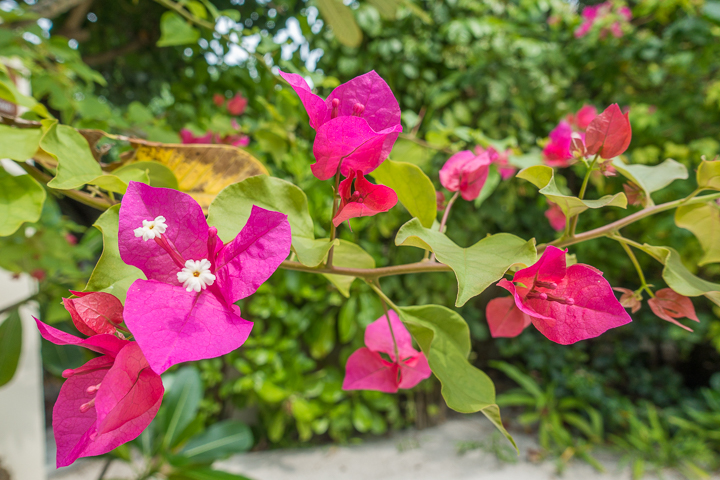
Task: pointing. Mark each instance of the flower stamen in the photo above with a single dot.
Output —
(196, 275)
(151, 228)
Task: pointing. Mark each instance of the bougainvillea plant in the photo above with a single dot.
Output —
(176, 263)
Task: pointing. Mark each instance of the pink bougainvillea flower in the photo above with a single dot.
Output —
(188, 137)
(364, 200)
(625, 12)
(557, 152)
(629, 299)
(107, 402)
(556, 217)
(94, 312)
(357, 125)
(237, 104)
(669, 305)
(505, 319)
(184, 310)
(609, 133)
(366, 369)
(466, 172)
(440, 200)
(219, 99)
(501, 160)
(584, 116)
(635, 195)
(567, 304)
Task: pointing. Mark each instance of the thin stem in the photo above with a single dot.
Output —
(392, 333)
(574, 220)
(333, 229)
(624, 222)
(635, 262)
(82, 197)
(370, 273)
(446, 213)
(105, 468)
(382, 296)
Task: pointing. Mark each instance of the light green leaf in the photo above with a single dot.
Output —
(180, 403)
(349, 255)
(118, 181)
(76, 164)
(220, 440)
(21, 200)
(230, 211)
(10, 346)
(174, 30)
(708, 175)
(414, 189)
(703, 220)
(652, 178)
(543, 177)
(111, 274)
(204, 473)
(19, 143)
(342, 21)
(9, 92)
(444, 338)
(158, 174)
(476, 267)
(679, 278)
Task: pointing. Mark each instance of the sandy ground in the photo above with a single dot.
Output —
(430, 454)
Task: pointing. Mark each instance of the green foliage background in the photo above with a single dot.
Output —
(465, 73)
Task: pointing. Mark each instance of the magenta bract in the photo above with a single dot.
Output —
(366, 369)
(357, 124)
(505, 319)
(556, 217)
(500, 159)
(567, 304)
(184, 310)
(557, 152)
(467, 172)
(364, 200)
(107, 402)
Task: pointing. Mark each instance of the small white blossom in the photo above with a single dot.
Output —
(151, 228)
(196, 275)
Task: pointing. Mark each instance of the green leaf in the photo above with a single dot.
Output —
(10, 346)
(703, 220)
(342, 21)
(708, 175)
(158, 174)
(679, 278)
(111, 274)
(525, 381)
(543, 177)
(348, 255)
(19, 143)
(414, 189)
(476, 267)
(76, 164)
(652, 178)
(9, 92)
(118, 181)
(174, 30)
(230, 211)
(205, 473)
(21, 200)
(493, 180)
(180, 403)
(218, 441)
(347, 325)
(444, 338)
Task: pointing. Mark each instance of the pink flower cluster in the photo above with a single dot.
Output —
(235, 106)
(604, 12)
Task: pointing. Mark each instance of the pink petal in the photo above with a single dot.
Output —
(172, 325)
(549, 268)
(557, 152)
(94, 312)
(379, 339)
(187, 230)
(453, 169)
(414, 370)
(370, 90)
(609, 133)
(375, 199)
(129, 391)
(254, 254)
(350, 141)
(366, 370)
(72, 428)
(104, 343)
(504, 318)
(669, 305)
(585, 115)
(556, 217)
(315, 105)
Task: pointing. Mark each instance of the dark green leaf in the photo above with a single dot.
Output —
(174, 30)
(180, 404)
(10, 346)
(218, 441)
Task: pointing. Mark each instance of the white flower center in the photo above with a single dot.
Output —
(196, 275)
(151, 228)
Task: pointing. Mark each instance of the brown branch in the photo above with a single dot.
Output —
(110, 55)
(82, 197)
(53, 8)
(370, 273)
